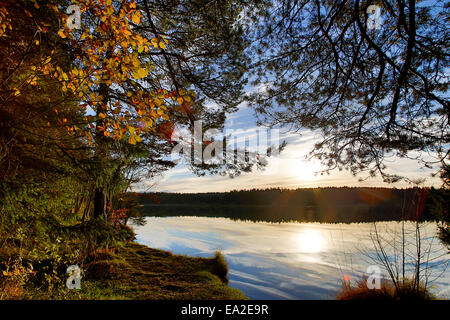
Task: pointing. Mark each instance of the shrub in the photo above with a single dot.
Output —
(220, 267)
(405, 290)
(12, 279)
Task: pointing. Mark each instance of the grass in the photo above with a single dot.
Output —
(139, 272)
(405, 291)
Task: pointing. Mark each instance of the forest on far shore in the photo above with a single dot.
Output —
(342, 204)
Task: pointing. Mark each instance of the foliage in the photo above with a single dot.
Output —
(84, 114)
(440, 202)
(156, 274)
(371, 92)
(387, 291)
(221, 267)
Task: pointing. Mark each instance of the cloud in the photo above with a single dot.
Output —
(289, 170)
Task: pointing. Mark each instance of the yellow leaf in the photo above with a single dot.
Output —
(132, 140)
(140, 73)
(54, 7)
(136, 17)
(61, 33)
(102, 115)
(162, 45)
(131, 129)
(180, 100)
(135, 61)
(138, 138)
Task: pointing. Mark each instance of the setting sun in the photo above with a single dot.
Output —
(305, 170)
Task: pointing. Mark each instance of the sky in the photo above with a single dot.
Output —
(289, 170)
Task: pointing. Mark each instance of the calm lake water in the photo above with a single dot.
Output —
(295, 260)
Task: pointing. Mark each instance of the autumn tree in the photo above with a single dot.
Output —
(133, 71)
(107, 78)
(170, 72)
(34, 116)
(39, 184)
(55, 125)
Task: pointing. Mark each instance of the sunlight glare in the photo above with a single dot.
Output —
(305, 170)
(310, 241)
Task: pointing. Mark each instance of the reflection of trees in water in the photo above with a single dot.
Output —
(268, 213)
(277, 205)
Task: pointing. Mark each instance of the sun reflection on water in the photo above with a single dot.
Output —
(310, 241)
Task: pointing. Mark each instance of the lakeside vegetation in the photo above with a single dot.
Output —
(132, 272)
(387, 292)
(86, 112)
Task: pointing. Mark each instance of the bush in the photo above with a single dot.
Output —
(50, 247)
(405, 290)
(220, 267)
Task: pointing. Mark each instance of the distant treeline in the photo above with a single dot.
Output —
(315, 204)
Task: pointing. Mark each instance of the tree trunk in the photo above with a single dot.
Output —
(99, 203)
(101, 148)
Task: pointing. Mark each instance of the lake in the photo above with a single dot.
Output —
(296, 260)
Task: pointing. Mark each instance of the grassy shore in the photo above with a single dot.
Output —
(138, 272)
